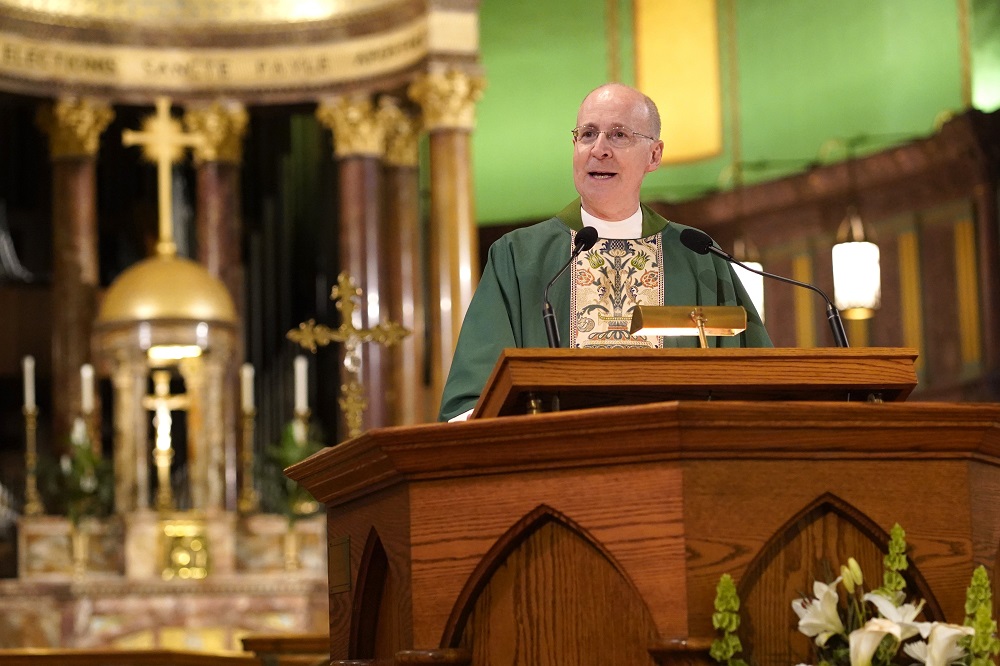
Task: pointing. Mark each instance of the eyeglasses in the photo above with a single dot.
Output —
(619, 137)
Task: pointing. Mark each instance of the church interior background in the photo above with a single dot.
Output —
(323, 158)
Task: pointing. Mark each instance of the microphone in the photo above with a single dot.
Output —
(702, 243)
(585, 239)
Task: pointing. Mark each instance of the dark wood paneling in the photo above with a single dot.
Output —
(943, 354)
(946, 177)
(887, 324)
(779, 304)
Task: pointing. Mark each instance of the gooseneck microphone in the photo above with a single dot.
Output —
(702, 243)
(585, 239)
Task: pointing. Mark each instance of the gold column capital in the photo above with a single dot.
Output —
(402, 132)
(222, 126)
(74, 126)
(357, 127)
(448, 98)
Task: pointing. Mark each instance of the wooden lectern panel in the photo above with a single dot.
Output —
(651, 504)
(606, 377)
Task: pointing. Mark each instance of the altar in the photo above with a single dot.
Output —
(80, 588)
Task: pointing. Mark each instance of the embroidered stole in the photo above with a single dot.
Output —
(608, 282)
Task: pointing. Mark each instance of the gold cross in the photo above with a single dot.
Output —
(162, 398)
(163, 143)
(309, 335)
(162, 402)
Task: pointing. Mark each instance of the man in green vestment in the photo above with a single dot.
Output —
(638, 258)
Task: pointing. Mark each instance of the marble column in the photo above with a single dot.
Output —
(219, 229)
(74, 127)
(358, 145)
(447, 100)
(131, 449)
(408, 391)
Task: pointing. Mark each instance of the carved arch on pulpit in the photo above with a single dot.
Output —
(366, 606)
(810, 546)
(585, 565)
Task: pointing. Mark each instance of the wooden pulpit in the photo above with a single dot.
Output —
(597, 535)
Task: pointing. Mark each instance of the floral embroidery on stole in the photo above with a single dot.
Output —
(608, 282)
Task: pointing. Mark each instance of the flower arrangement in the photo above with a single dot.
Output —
(875, 628)
(81, 485)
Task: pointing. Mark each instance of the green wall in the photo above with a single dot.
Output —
(810, 73)
(540, 58)
(985, 40)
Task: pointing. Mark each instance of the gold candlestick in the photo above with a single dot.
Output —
(302, 417)
(32, 500)
(249, 500)
(300, 433)
(290, 541)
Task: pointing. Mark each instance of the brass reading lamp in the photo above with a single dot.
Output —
(700, 320)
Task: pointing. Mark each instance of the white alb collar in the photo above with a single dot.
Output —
(630, 227)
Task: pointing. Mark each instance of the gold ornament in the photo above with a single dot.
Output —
(402, 132)
(357, 128)
(74, 126)
(448, 99)
(223, 128)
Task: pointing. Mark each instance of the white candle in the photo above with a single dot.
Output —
(246, 377)
(29, 382)
(301, 401)
(87, 388)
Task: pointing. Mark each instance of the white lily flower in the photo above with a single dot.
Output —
(864, 641)
(917, 650)
(820, 617)
(942, 644)
(904, 615)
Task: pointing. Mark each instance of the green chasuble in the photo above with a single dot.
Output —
(506, 310)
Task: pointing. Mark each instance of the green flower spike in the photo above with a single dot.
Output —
(726, 619)
(894, 562)
(983, 645)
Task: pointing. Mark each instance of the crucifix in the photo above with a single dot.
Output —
(163, 142)
(309, 335)
(162, 403)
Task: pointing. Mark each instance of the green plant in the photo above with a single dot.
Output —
(726, 619)
(296, 444)
(983, 645)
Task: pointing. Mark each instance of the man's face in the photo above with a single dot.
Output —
(609, 178)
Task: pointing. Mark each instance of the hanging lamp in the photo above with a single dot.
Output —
(857, 277)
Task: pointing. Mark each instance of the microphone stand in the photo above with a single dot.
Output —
(549, 319)
(585, 240)
(832, 313)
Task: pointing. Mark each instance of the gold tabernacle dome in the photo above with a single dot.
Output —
(166, 287)
(219, 13)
